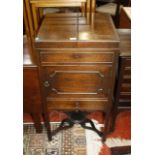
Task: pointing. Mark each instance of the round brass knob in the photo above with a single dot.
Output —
(46, 84)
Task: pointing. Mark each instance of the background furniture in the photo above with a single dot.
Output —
(123, 83)
(121, 150)
(31, 87)
(123, 89)
(35, 9)
(113, 7)
(125, 18)
(77, 64)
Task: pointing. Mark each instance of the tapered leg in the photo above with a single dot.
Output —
(37, 122)
(106, 125)
(48, 126)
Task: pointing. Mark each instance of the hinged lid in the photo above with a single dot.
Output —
(73, 30)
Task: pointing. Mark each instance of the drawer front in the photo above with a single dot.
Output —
(93, 79)
(125, 87)
(80, 105)
(125, 96)
(127, 71)
(76, 57)
(127, 61)
(126, 79)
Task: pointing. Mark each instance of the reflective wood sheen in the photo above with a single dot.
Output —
(100, 30)
(68, 65)
(77, 63)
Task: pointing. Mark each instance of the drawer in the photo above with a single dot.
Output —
(80, 105)
(86, 79)
(80, 56)
(125, 96)
(126, 87)
(126, 79)
(127, 61)
(127, 71)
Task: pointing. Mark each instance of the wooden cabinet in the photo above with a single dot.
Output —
(77, 63)
(73, 70)
(82, 84)
(31, 87)
(125, 18)
(78, 71)
(123, 82)
(31, 95)
(123, 86)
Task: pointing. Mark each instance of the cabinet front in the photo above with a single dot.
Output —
(77, 79)
(86, 85)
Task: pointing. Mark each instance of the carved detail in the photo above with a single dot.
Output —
(54, 73)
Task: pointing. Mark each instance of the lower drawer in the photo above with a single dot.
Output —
(125, 96)
(126, 87)
(78, 105)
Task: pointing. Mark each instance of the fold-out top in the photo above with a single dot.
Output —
(76, 29)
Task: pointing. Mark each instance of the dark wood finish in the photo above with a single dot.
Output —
(36, 116)
(77, 63)
(124, 95)
(31, 90)
(76, 56)
(125, 21)
(28, 20)
(123, 84)
(87, 6)
(100, 34)
(121, 150)
(31, 87)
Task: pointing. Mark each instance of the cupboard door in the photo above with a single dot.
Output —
(78, 79)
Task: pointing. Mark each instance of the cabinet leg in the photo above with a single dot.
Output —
(113, 119)
(48, 126)
(37, 122)
(106, 125)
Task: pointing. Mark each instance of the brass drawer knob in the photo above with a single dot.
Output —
(46, 84)
(100, 91)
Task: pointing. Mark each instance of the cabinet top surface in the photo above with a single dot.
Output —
(75, 28)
